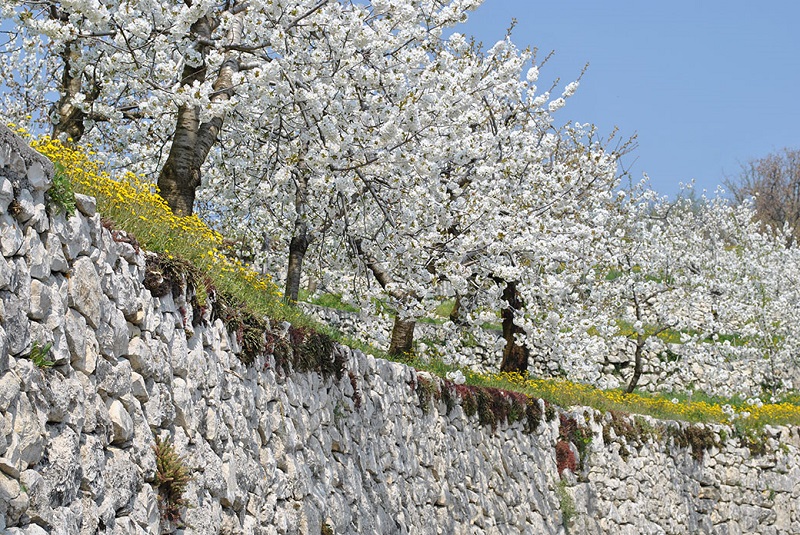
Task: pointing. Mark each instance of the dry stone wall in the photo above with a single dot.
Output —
(379, 449)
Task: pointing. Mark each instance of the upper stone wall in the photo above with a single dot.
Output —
(381, 449)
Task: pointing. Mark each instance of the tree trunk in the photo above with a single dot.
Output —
(515, 356)
(403, 330)
(192, 141)
(300, 237)
(455, 312)
(70, 119)
(297, 251)
(637, 364)
(402, 337)
(180, 176)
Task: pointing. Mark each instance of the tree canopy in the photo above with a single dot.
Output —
(368, 148)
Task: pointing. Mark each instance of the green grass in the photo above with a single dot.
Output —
(327, 300)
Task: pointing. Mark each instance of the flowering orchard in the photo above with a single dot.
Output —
(359, 148)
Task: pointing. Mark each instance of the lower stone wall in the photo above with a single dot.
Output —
(381, 448)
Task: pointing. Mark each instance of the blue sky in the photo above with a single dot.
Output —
(706, 85)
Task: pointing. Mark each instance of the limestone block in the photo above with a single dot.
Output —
(62, 474)
(28, 440)
(39, 177)
(159, 410)
(75, 330)
(15, 321)
(97, 418)
(74, 235)
(41, 302)
(229, 497)
(6, 273)
(145, 510)
(36, 256)
(122, 290)
(179, 355)
(9, 390)
(13, 501)
(62, 399)
(121, 480)
(84, 290)
(86, 205)
(58, 262)
(30, 529)
(113, 379)
(6, 194)
(112, 334)
(140, 357)
(138, 387)
(184, 405)
(93, 463)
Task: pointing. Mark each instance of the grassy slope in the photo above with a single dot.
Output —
(189, 245)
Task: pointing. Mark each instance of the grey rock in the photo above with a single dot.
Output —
(121, 479)
(140, 357)
(36, 257)
(11, 236)
(62, 400)
(26, 208)
(30, 529)
(6, 193)
(58, 262)
(93, 462)
(122, 424)
(86, 205)
(62, 472)
(184, 405)
(40, 174)
(5, 358)
(84, 290)
(16, 323)
(9, 494)
(113, 379)
(6, 273)
(9, 390)
(112, 335)
(139, 387)
(75, 329)
(41, 301)
(73, 234)
(122, 290)
(28, 440)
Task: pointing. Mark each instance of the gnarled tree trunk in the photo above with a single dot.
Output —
(192, 140)
(515, 356)
(637, 363)
(70, 118)
(300, 239)
(402, 336)
(403, 329)
(297, 251)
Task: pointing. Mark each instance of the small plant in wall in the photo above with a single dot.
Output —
(568, 509)
(39, 355)
(60, 196)
(172, 478)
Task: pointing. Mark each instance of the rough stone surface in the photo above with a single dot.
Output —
(280, 453)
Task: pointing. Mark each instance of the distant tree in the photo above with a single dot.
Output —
(774, 184)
